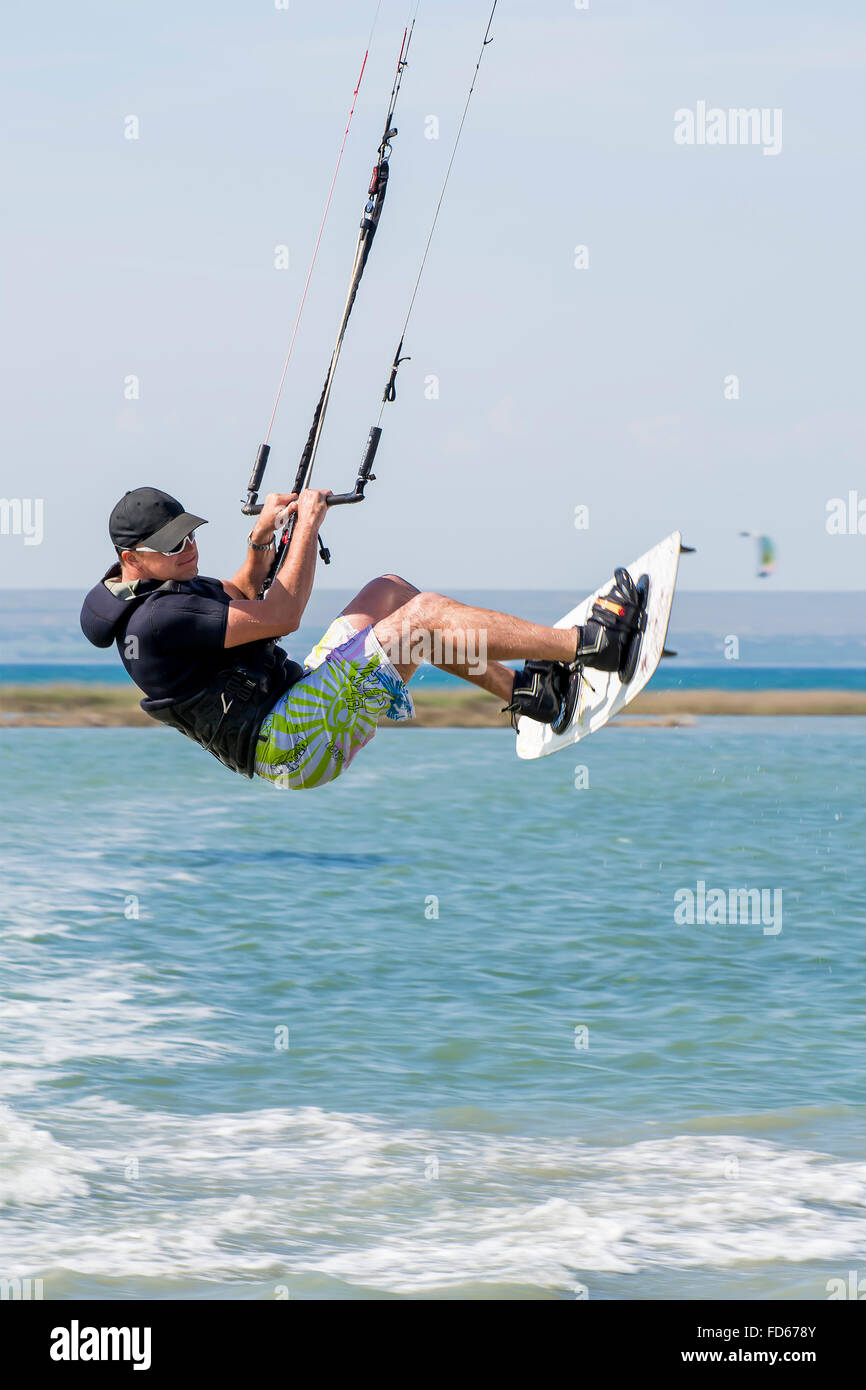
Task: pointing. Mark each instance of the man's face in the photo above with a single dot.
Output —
(149, 564)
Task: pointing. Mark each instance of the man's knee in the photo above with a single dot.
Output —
(421, 608)
(415, 614)
(401, 584)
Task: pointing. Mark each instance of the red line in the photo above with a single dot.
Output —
(316, 248)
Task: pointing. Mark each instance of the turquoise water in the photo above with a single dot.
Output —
(671, 675)
(822, 631)
(435, 1125)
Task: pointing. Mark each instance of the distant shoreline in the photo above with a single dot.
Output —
(105, 706)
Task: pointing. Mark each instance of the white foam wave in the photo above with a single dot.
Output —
(276, 1193)
(99, 1011)
(34, 1168)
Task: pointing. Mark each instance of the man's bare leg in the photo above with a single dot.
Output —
(389, 594)
(430, 627)
(377, 600)
(503, 636)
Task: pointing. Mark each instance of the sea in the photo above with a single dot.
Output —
(456, 1027)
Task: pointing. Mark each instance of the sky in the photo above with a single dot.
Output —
(700, 368)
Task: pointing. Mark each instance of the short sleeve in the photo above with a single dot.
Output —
(190, 624)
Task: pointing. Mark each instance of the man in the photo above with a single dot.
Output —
(205, 654)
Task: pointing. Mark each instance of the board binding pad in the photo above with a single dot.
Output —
(602, 694)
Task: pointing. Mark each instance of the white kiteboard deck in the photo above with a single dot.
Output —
(602, 694)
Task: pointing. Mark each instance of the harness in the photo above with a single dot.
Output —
(226, 715)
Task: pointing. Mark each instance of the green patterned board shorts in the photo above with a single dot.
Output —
(315, 730)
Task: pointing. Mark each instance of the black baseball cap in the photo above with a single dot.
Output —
(147, 516)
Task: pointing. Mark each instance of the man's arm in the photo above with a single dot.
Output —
(248, 581)
(281, 609)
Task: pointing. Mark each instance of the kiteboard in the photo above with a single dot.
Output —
(602, 694)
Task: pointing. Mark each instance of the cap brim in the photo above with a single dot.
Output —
(173, 533)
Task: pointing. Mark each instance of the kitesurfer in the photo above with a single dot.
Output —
(204, 651)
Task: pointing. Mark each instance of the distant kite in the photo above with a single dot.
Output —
(766, 553)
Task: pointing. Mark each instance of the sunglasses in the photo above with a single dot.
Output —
(178, 549)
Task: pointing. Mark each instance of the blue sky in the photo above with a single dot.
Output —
(557, 386)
